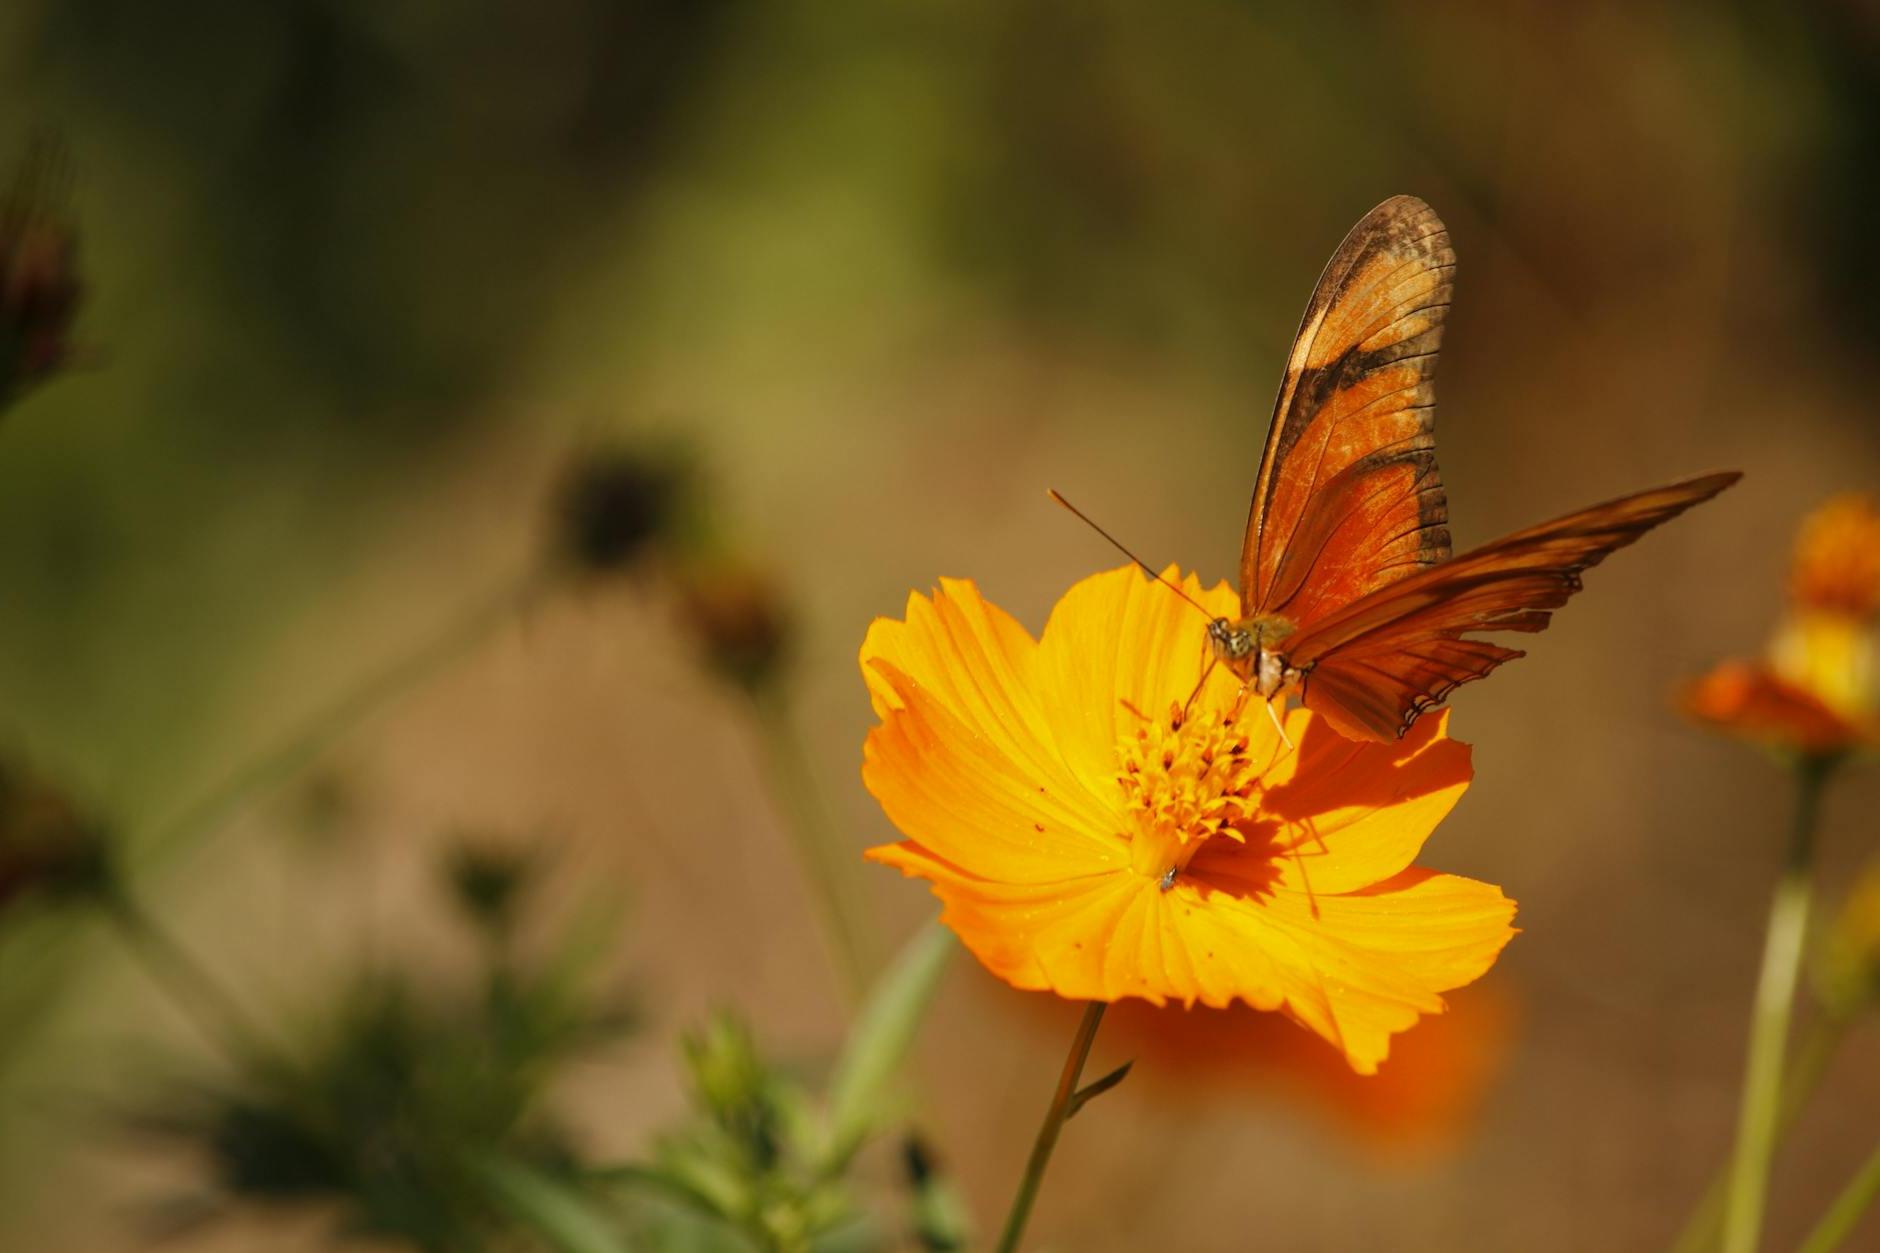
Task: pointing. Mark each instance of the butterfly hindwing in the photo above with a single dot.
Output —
(1372, 666)
(1348, 498)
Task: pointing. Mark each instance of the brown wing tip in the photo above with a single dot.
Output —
(1399, 208)
(1704, 486)
(1714, 483)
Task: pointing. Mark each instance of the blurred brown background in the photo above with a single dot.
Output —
(361, 276)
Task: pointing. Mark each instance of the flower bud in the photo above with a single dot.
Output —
(39, 287)
(488, 880)
(739, 620)
(614, 505)
(47, 846)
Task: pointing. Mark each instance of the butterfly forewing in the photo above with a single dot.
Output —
(1348, 499)
(1374, 665)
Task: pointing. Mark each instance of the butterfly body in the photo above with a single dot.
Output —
(1351, 594)
(1245, 648)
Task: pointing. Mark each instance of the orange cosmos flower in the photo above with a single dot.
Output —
(1095, 834)
(1752, 701)
(1815, 692)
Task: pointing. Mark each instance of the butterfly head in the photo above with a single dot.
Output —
(1231, 641)
(1250, 649)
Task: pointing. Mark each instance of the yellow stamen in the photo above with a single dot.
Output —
(1185, 779)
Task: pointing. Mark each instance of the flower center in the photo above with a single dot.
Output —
(1185, 779)
(1832, 655)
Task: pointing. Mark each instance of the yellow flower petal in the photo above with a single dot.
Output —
(1363, 966)
(1352, 812)
(961, 795)
(1120, 645)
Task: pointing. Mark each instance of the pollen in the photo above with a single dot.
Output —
(1186, 778)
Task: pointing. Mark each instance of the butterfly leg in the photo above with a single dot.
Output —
(1278, 726)
(1199, 684)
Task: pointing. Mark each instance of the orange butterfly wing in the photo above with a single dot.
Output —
(1348, 498)
(1374, 665)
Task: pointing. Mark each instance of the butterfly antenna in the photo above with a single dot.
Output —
(1118, 545)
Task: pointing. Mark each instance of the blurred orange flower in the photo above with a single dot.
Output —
(1815, 693)
(1837, 559)
(1095, 834)
(1422, 1100)
(1751, 700)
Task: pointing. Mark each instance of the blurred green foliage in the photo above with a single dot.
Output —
(770, 1162)
(393, 1101)
(750, 1155)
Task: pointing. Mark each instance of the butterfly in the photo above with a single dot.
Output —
(1350, 595)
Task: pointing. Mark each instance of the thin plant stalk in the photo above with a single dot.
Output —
(1759, 1114)
(1060, 1109)
(1818, 1047)
(305, 744)
(184, 979)
(1846, 1211)
(823, 860)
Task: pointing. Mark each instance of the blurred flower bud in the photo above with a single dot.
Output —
(39, 288)
(940, 1219)
(47, 846)
(488, 880)
(1848, 975)
(739, 620)
(733, 1088)
(616, 504)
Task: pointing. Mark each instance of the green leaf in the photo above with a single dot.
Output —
(674, 1185)
(1096, 1088)
(559, 1213)
(882, 1035)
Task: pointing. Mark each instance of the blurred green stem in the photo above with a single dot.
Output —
(323, 729)
(1811, 1060)
(823, 860)
(1054, 1117)
(183, 978)
(1759, 1113)
(1842, 1216)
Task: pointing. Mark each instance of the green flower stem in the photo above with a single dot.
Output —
(1842, 1216)
(1760, 1110)
(319, 733)
(827, 865)
(1053, 1123)
(1810, 1064)
(184, 979)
